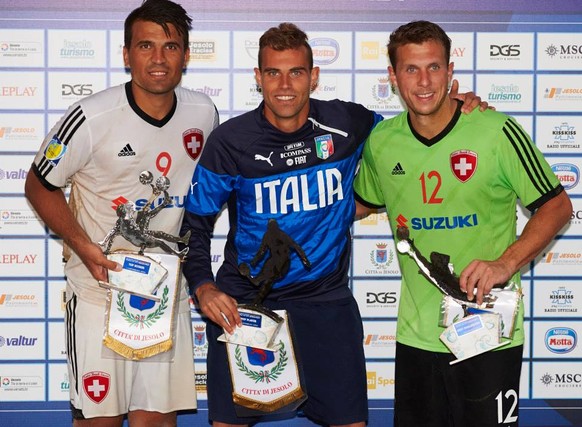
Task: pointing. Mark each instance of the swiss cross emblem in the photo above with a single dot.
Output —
(193, 140)
(96, 385)
(463, 164)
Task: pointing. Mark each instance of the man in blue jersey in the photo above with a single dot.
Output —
(293, 159)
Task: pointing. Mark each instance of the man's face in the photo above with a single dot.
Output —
(422, 76)
(286, 83)
(156, 61)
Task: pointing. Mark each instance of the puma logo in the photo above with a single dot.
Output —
(266, 159)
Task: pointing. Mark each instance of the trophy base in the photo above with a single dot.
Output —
(473, 335)
(140, 275)
(259, 329)
(503, 301)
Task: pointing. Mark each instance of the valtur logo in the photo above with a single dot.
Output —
(561, 340)
(567, 173)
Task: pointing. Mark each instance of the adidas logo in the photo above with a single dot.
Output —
(398, 170)
(126, 151)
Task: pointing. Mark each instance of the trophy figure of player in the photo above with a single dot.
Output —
(142, 274)
(471, 328)
(260, 324)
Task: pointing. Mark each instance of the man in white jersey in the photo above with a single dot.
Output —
(100, 146)
(453, 180)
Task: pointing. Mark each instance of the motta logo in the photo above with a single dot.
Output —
(561, 340)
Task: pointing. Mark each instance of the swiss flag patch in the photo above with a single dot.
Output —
(193, 140)
(96, 385)
(463, 164)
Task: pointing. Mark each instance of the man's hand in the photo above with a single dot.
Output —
(470, 100)
(218, 307)
(483, 276)
(96, 262)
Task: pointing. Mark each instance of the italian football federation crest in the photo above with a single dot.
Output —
(463, 164)
(324, 146)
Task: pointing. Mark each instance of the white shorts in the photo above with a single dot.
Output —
(107, 387)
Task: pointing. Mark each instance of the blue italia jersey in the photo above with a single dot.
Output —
(301, 179)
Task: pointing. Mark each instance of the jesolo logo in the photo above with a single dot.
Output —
(141, 304)
(381, 257)
(200, 336)
(276, 362)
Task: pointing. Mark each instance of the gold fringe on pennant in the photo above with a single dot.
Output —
(136, 354)
(268, 406)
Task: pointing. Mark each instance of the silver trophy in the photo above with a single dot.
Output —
(260, 324)
(142, 274)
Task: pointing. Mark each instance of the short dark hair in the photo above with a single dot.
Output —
(162, 12)
(417, 32)
(283, 37)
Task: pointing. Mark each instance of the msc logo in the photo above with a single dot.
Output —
(79, 90)
(504, 50)
(381, 297)
(553, 50)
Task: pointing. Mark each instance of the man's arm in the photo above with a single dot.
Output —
(215, 304)
(52, 208)
(537, 234)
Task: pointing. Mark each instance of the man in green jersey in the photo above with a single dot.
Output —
(453, 179)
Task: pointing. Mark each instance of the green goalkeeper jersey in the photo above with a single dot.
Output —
(457, 194)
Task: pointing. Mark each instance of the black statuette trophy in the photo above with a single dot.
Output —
(260, 324)
(439, 270)
(471, 328)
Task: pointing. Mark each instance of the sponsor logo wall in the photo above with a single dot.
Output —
(529, 69)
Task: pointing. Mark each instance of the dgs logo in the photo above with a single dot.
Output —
(504, 50)
(381, 298)
(84, 90)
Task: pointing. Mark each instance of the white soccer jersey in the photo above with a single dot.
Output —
(102, 144)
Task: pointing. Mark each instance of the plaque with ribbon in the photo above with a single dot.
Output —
(138, 327)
